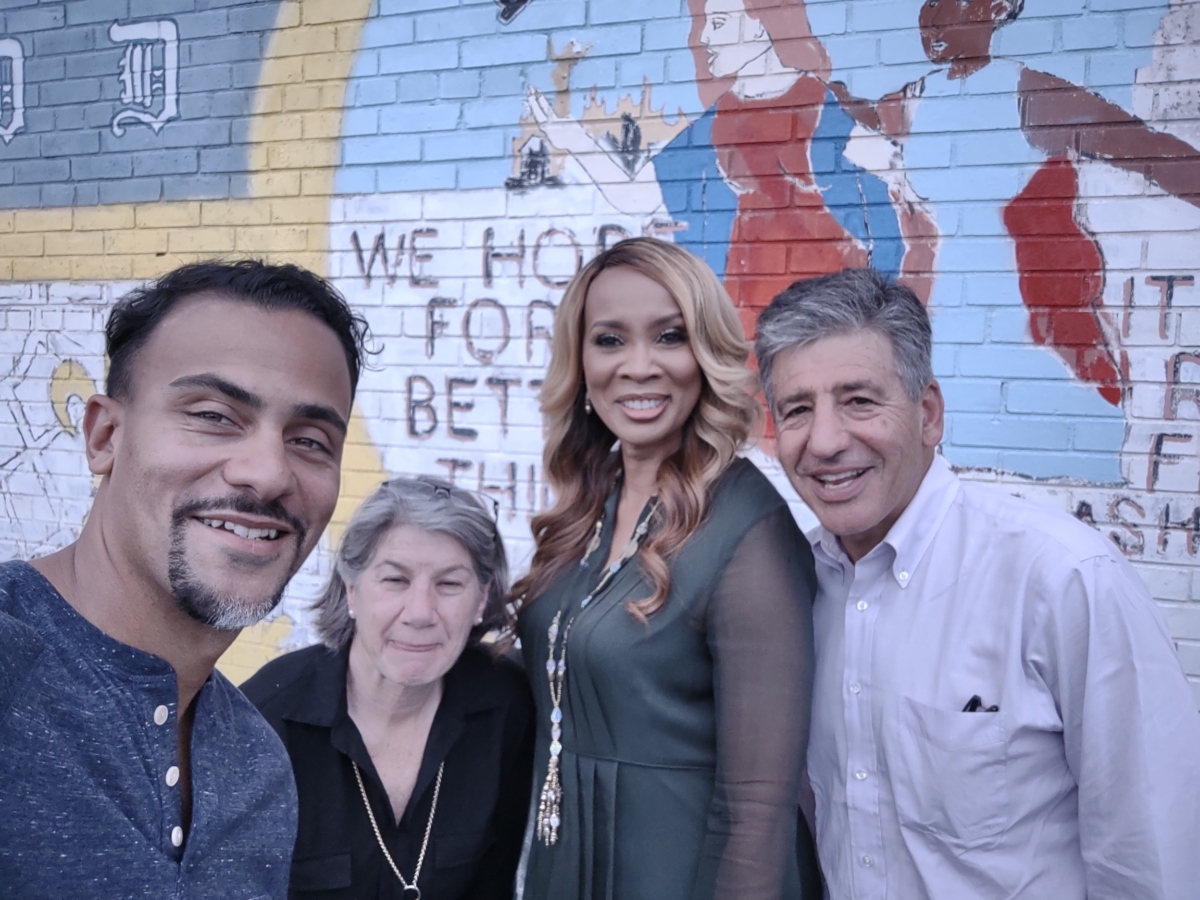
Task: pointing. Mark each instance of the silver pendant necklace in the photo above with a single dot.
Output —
(549, 815)
(405, 885)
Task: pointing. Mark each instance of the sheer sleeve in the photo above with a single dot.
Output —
(760, 634)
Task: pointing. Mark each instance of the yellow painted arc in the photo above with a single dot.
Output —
(307, 68)
(254, 647)
(292, 156)
(299, 102)
(70, 379)
(297, 128)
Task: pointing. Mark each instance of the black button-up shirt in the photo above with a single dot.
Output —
(89, 756)
(483, 730)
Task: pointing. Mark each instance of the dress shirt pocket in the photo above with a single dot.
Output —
(321, 873)
(949, 772)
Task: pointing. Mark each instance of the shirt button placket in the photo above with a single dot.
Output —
(172, 805)
(862, 792)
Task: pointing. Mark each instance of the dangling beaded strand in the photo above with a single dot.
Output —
(549, 815)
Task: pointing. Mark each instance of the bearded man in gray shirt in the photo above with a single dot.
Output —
(128, 766)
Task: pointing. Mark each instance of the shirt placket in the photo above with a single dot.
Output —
(162, 728)
(861, 775)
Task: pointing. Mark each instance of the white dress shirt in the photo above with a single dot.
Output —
(1083, 783)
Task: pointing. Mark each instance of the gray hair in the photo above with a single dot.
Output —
(429, 504)
(845, 302)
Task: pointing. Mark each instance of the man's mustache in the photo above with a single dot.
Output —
(241, 503)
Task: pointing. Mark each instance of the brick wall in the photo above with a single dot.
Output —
(450, 164)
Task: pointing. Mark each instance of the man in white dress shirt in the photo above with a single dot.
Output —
(998, 709)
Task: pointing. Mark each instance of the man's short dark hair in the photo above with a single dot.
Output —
(136, 315)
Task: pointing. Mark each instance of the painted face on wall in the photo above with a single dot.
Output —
(222, 464)
(960, 30)
(851, 441)
(641, 375)
(732, 37)
(414, 606)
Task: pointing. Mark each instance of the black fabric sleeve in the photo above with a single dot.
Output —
(759, 625)
(497, 870)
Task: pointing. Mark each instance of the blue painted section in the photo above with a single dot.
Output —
(483, 68)
(858, 199)
(975, 122)
(696, 194)
(439, 87)
(875, 45)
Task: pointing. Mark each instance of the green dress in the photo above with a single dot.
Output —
(683, 739)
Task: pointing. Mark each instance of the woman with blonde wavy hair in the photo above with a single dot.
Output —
(666, 617)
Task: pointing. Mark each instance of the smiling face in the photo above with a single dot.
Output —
(641, 375)
(414, 606)
(960, 31)
(732, 37)
(221, 465)
(851, 441)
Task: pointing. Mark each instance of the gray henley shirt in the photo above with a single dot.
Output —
(89, 798)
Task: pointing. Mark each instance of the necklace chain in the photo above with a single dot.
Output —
(437, 789)
(549, 817)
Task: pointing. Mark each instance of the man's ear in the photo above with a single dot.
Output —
(102, 421)
(933, 414)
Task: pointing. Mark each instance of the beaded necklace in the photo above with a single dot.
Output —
(549, 817)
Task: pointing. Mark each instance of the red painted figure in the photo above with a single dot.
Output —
(766, 73)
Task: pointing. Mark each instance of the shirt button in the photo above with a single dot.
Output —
(861, 775)
(177, 836)
(868, 862)
(855, 687)
(172, 776)
(861, 605)
(161, 715)
(904, 576)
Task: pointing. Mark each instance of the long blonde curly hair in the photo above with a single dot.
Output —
(578, 459)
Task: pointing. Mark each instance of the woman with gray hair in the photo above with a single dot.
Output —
(411, 744)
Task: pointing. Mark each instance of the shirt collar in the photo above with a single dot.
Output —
(466, 690)
(85, 643)
(322, 699)
(913, 532)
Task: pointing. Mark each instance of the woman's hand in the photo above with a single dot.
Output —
(636, 194)
(563, 134)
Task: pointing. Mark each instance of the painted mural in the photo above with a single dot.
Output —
(1029, 168)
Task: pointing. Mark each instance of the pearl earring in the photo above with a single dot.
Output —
(351, 612)
(587, 404)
